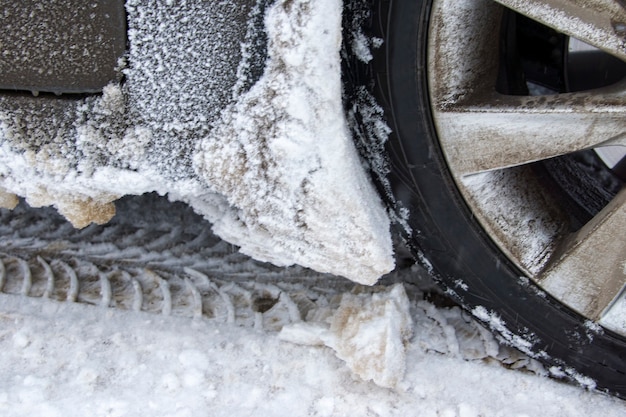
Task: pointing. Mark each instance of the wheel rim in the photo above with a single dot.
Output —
(491, 140)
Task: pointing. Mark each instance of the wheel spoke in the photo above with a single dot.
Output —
(481, 130)
(464, 61)
(619, 169)
(601, 23)
(590, 271)
(504, 131)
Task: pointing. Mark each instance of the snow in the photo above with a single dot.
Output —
(495, 323)
(220, 334)
(288, 150)
(67, 359)
(272, 165)
(257, 143)
(369, 332)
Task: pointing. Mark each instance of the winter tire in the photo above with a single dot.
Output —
(473, 153)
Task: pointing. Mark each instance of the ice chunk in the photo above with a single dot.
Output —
(368, 331)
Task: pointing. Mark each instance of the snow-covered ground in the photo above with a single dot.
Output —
(63, 359)
(171, 321)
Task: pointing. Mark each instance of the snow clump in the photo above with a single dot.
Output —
(369, 332)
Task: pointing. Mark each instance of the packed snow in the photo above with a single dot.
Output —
(235, 110)
(369, 332)
(152, 315)
(66, 359)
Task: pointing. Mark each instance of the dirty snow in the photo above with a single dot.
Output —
(262, 151)
(369, 332)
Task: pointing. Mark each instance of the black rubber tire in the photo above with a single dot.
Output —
(447, 238)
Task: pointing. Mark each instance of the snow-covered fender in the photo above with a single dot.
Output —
(248, 129)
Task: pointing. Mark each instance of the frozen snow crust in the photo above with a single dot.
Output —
(270, 163)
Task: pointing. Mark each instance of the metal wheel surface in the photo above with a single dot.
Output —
(492, 153)
(490, 141)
